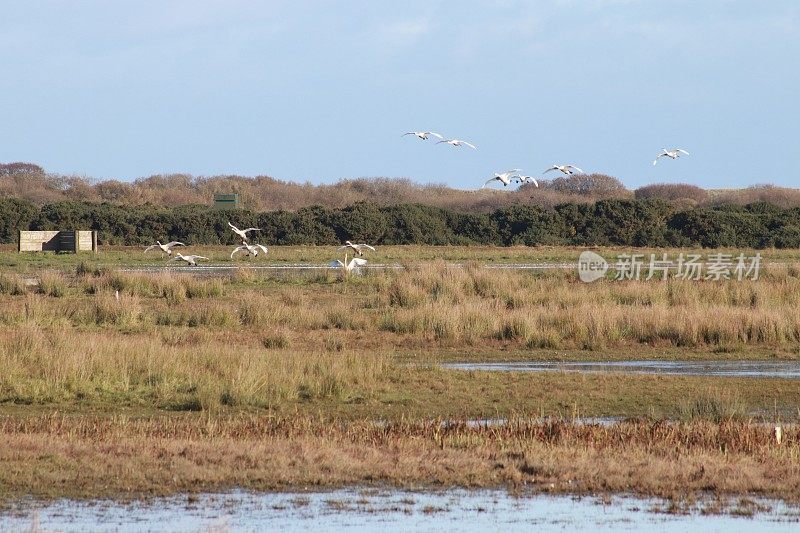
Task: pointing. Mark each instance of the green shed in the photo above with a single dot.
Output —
(226, 201)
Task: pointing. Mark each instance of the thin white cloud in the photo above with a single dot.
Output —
(402, 33)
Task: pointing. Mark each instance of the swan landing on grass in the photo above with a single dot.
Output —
(357, 248)
(191, 259)
(354, 264)
(252, 249)
(242, 232)
(165, 248)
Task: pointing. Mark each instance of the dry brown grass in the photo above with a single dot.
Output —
(461, 307)
(292, 376)
(52, 366)
(56, 455)
(12, 284)
(174, 288)
(421, 307)
(343, 347)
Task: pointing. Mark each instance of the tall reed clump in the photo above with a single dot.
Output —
(173, 288)
(276, 340)
(716, 406)
(86, 269)
(200, 314)
(11, 284)
(53, 284)
(256, 310)
(106, 309)
(42, 365)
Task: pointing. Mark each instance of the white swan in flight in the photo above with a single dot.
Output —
(526, 179)
(503, 177)
(565, 169)
(357, 248)
(457, 143)
(423, 134)
(191, 259)
(165, 248)
(242, 232)
(348, 267)
(675, 153)
(252, 249)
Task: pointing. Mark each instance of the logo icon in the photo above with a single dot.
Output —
(591, 266)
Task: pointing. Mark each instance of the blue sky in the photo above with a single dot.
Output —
(322, 90)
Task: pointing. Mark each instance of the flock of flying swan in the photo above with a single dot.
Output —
(254, 249)
(511, 176)
(506, 178)
(458, 143)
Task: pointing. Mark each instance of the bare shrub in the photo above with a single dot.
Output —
(265, 193)
(673, 192)
(780, 196)
(593, 185)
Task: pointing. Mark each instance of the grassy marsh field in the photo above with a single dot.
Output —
(133, 256)
(248, 378)
(91, 457)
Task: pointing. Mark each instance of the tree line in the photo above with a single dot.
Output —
(31, 182)
(631, 222)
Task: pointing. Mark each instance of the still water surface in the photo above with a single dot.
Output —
(760, 369)
(374, 510)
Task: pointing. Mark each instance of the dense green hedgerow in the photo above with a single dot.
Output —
(642, 222)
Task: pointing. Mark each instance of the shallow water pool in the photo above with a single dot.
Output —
(760, 369)
(371, 510)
